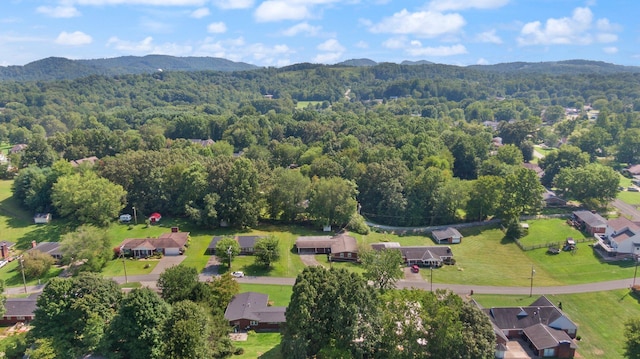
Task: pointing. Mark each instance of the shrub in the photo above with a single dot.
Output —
(357, 224)
(238, 351)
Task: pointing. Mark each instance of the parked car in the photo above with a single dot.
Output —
(633, 189)
(415, 268)
(238, 274)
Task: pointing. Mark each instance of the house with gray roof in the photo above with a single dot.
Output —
(51, 248)
(543, 326)
(448, 235)
(19, 310)
(424, 256)
(341, 247)
(621, 237)
(251, 311)
(589, 222)
(247, 244)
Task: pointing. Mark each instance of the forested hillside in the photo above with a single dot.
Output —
(406, 144)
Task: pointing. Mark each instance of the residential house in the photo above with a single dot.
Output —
(424, 256)
(341, 247)
(203, 143)
(168, 244)
(19, 310)
(90, 161)
(42, 218)
(51, 248)
(448, 235)
(17, 148)
(552, 200)
(621, 236)
(589, 222)
(251, 311)
(534, 167)
(632, 171)
(544, 327)
(247, 244)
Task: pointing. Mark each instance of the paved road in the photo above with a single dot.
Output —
(627, 210)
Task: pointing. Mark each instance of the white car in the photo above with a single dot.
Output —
(238, 274)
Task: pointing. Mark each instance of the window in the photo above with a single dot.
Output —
(341, 255)
(254, 322)
(349, 255)
(549, 352)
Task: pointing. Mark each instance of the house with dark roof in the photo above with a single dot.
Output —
(168, 244)
(424, 256)
(5, 250)
(19, 310)
(51, 248)
(544, 327)
(251, 311)
(18, 148)
(589, 222)
(621, 236)
(341, 247)
(448, 235)
(89, 161)
(247, 244)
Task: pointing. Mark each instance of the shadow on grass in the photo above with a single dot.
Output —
(51, 232)
(16, 277)
(258, 270)
(273, 353)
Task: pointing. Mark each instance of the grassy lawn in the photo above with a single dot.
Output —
(280, 295)
(116, 268)
(549, 230)
(260, 345)
(302, 104)
(602, 335)
(632, 198)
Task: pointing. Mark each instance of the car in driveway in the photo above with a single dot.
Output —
(237, 274)
(415, 268)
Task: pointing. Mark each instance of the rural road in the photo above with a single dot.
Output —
(149, 280)
(627, 210)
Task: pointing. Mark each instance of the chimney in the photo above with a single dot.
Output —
(33, 244)
(175, 229)
(3, 250)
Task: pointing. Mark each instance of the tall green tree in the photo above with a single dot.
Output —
(186, 332)
(594, 185)
(136, 331)
(36, 263)
(238, 203)
(288, 192)
(89, 246)
(565, 157)
(38, 153)
(484, 197)
(522, 194)
(629, 146)
(177, 283)
(88, 198)
(74, 313)
(332, 201)
(266, 251)
(330, 307)
(382, 267)
(227, 249)
(632, 338)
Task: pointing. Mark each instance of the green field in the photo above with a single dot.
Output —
(260, 345)
(302, 104)
(279, 295)
(601, 332)
(549, 230)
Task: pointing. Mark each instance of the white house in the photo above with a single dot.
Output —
(621, 237)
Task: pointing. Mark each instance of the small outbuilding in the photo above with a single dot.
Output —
(155, 217)
(448, 235)
(42, 218)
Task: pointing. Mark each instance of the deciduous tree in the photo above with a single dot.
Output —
(383, 267)
(36, 263)
(333, 200)
(594, 185)
(227, 249)
(266, 251)
(176, 283)
(87, 245)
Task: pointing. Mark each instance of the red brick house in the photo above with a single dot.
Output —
(589, 222)
(251, 311)
(19, 310)
(168, 244)
(341, 247)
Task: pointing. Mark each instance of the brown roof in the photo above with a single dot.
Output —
(253, 306)
(634, 170)
(180, 238)
(621, 223)
(344, 243)
(165, 240)
(442, 234)
(544, 337)
(314, 242)
(91, 160)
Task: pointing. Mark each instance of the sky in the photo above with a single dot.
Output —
(283, 32)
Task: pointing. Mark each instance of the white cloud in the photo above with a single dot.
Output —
(423, 24)
(217, 28)
(447, 5)
(395, 43)
(238, 50)
(276, 10)
(75, 38)
(300, 28)
(362, 45)
(331, 45)
(482, 61)
(58, 11)
(200, 13)
(146, 46)
(610, 50)
(327, 57)
(490, 37)
(233, 4)
(418, 50)
(574, 30)
(139, 2)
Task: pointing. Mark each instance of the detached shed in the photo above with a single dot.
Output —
(155, 217)
(42, 218)
(448, 235)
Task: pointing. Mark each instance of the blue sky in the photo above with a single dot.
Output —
(283, 32)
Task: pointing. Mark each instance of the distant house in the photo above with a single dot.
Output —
(19, 310)
(632, 171)
(543, 326)
(51, 248)
(550, 199)
(168, 244)
(341, 247)
(203, 143)
(424, 256)
(42, 218)
(534, 167)
(17, 148)
(5, 249)
(247, 244)
(448, 235)
(251, 311)
(621, 236)
(155, 217)
(87, 160)
(589, 222)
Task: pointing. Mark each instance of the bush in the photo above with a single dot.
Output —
(238, 351)
(357, 224)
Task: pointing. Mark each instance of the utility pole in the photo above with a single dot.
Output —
(229, 251)
(135, 215)
(533, 272)
(431, 280)
(24, 280)
(635, 257)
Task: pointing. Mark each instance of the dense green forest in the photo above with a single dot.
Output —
(405, 144)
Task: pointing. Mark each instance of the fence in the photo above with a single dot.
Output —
(550, 244)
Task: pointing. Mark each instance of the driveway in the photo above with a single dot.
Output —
(212, 266)
(167, 262)
(309, 260)
(518, 349)
(410, 276)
